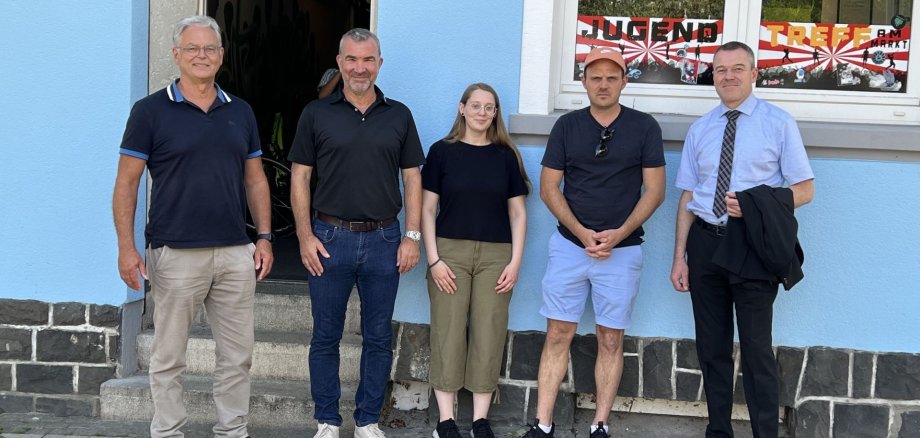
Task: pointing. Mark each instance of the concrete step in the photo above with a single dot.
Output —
(276, 355)
(285, 306)
(292, 313)
(275, 403)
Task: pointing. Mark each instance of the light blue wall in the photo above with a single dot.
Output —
(862, 285)
(70, 72)
(73, 72)
(432, 50)
(861, 255)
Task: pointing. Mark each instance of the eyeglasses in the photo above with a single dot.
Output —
(475, 107)
(736, 70)
(601, 150)
(195, 50)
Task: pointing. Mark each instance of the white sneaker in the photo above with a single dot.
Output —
(369, 431)
(327, 431)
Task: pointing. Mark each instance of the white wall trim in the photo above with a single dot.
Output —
(537, 94)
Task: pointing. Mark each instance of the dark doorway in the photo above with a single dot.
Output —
(276, 52)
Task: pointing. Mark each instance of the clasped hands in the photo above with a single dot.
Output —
(600, 244)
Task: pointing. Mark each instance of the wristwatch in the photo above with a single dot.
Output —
(268, 236)
(414, 235)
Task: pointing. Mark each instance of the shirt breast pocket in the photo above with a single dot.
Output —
(751, 173)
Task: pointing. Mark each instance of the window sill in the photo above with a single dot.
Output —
(863, 141)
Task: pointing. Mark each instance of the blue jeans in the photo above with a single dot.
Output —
(367, 259)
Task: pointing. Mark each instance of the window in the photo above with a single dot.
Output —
(659, 47)
(861, 72)
(835, 45)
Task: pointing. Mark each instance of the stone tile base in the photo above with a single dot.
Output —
(823, 391)
(55, 356)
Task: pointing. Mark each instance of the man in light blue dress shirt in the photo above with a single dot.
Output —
(764, 147)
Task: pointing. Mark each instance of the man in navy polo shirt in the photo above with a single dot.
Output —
(358, 142)
(606, 153)
(202, 150)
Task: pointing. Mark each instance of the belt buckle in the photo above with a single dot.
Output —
(721, 230)
(354, 225)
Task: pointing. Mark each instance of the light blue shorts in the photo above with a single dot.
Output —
(571, 275)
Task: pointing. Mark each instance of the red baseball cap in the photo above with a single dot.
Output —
(606, 53)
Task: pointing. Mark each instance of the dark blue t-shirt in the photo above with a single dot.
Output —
(473, 184)
(196, 161)
(602, 192)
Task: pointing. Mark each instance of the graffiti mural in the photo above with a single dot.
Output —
(656, 50)
(824, 56)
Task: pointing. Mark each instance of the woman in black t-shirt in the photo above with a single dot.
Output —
(473, 224)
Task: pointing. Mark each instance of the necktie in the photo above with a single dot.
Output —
(725, 163)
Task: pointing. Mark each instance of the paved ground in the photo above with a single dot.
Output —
(400, 425)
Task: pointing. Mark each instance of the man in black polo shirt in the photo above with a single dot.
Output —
(202, 150)
(357, 141)
(606, 153)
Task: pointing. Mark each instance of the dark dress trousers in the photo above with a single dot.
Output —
(739, 272)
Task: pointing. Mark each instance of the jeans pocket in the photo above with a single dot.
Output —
(391, 234)
(323, 231)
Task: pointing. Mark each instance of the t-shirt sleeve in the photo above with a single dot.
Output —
(516, 184)
(431, 171)
(411, 154)
(653, 148)
(137, 140)
(303, 150)
(255, 143)
(794, 162)
(554, 155)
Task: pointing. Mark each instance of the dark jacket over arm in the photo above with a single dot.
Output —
(763, 245)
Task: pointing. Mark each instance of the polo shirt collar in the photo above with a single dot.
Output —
(175, 94)
(746, 107)
(339, 96)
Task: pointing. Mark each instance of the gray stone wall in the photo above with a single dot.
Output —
(825, 392)
(54, 356)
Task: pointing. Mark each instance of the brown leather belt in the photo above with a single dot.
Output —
(718, 230)
(359, 226)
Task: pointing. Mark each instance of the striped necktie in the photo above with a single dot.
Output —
(725, 163)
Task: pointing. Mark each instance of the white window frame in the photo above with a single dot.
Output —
(548, 49)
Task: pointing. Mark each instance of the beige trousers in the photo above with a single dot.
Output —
(222, 278)
(469, 327)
